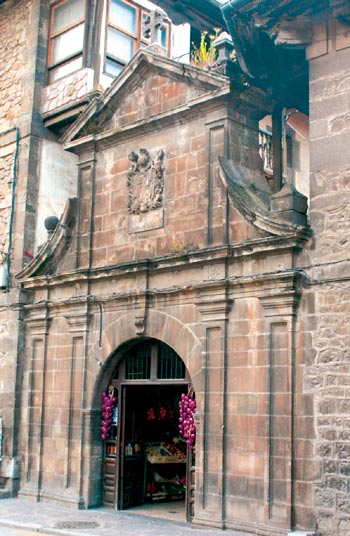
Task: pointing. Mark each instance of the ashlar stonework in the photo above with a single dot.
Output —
(194, 260)
(218, 287)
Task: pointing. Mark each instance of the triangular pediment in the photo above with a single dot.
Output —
(150, 87)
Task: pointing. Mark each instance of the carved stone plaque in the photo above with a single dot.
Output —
(145, 181)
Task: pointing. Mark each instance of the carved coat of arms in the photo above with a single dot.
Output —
(145, 181)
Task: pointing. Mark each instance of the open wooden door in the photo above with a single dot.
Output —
(132, 462)
(190, 479)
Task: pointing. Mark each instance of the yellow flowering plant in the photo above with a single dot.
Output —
(205, 54)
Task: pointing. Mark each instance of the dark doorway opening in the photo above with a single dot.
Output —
(153, 458)
(147, 462)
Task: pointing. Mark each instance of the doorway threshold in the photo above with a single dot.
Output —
(172, 511)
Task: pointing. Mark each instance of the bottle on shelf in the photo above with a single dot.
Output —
(128, 450)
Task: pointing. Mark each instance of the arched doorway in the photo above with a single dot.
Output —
(146, 460)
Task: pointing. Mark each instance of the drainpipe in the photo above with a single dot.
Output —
(12, 213)
(227, 10)
(233, 4)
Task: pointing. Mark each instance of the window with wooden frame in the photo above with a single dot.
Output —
(67, 26)
(124, 34)
(152, 361)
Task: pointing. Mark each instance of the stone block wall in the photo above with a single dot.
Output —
(18, 55)
(192, 211)
(52, 408)
(178, 225)
(23, 27)
(182, 298)
(242, 469)
(16, 94)
(14, 57)
(156, 94)
(6, 177)
(325, 307)
(247, 413)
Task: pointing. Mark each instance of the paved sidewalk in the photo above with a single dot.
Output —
(55, 519)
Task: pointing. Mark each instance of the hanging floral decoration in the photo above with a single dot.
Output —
(108, 404)
(187, 427)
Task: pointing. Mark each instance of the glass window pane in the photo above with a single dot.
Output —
(138, 364)
(67, 44)
(170, 365)
(113, 68)
(67, 68)
(162, 36)
(119, 45)
(122, 15)
(67, 14)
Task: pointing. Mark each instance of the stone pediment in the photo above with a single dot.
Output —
(150, 88)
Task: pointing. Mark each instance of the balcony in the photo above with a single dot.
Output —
(265, 151)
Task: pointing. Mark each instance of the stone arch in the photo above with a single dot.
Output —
(117, 338)
(120, 334)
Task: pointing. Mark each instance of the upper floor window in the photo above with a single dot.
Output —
(124, 34)
(66, 38)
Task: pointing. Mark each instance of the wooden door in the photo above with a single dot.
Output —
(132, 465)
(190, 479)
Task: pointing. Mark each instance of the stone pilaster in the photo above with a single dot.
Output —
(280, 314)
(37, 331)
(210, 451)
(85, 214)
(76, 448)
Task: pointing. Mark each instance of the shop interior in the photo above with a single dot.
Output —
(146, 458)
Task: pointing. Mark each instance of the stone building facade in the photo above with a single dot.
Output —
(21, 58)
(327, 364)
(172, 245)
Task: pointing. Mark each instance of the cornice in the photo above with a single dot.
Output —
(276, 14)
(278, 292)
(39, 323)
(195, 259)
(214, 307)
(78, 321)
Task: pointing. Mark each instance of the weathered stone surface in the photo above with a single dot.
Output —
(67, 91)
(18, 56)
(272, 379)
(328, 373)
